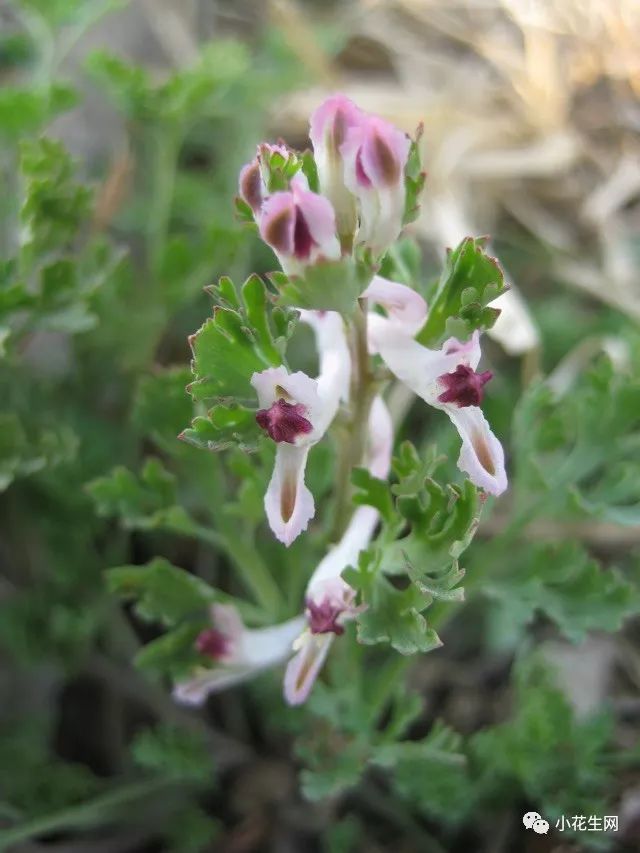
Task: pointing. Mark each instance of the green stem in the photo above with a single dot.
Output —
(249, 564)
(167, 145)
(351, 449)
(96, 811)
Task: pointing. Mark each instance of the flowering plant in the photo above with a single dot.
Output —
(309, 536)
(333, 219)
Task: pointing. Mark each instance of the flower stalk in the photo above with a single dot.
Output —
(351, 448)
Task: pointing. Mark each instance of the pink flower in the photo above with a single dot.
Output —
(329, 126)
(375, 155)
(361, 161)
(444, 378)
(237, 653)
(300, 227)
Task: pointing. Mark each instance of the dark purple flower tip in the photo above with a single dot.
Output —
(284, 421)
(323, 617)
(212, 643)
(303, 242)
(464, 386)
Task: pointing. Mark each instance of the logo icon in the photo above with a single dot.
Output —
(534, 821)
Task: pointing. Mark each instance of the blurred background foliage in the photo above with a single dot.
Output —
(123, 127)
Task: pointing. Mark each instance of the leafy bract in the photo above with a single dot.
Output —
(427, 526)
(325, 286)
(470, 280)
(245, 335)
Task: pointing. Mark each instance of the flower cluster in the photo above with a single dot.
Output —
(361, 163)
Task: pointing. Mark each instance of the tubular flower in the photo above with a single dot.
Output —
(329, 599)
(444, 378)
(329, 126)
(237, 653)
(300, 227)
(296, 411)
(375, 155)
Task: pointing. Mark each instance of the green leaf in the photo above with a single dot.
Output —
(25, 111)
(414, 180)
(560, 764)
(236, 342)
(162, 406)
(174, 752)
(325, 286)
(172, 655)
(372, 491)
(469, 281)
(55, 206)
(147, 502)
(162, 592)
(575, 464)
(24, 452)
(190, 93)
(393, 615)
(443, 519)
(432, 774)
(191, 830)
(225, 426)
(565, 584)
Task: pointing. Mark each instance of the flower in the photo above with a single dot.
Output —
(444, 378)
(361, 161)
(254, 178)
(375, 154)
(328, 130)
(300, 227)
(237, 653)
(296, 411)
(329, 600)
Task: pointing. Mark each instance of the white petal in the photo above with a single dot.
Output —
(515, 329)
(288, 502)
(266, 647)
(417, 366)
(194, 691)
(380, 439)
(404, 306)
(334, 357)
(481, 456)
(226, 619)
(304, 666)
(257, 650)
(297, 387)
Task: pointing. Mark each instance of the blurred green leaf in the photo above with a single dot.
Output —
(569, 587)
(162, 592)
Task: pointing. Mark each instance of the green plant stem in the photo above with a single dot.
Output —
(167, 143)
(96, 811)
(351, 449)
(250, 566)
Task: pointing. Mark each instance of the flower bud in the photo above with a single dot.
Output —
(375, 155)
(330, 124)
(300, 227)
